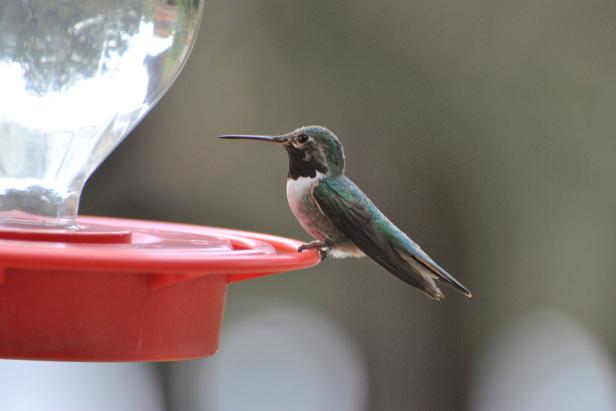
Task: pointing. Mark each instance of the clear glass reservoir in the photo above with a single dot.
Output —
(75, 77)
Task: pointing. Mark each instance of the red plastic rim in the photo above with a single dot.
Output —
(164, 248)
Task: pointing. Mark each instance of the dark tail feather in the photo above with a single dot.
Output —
(442, 275)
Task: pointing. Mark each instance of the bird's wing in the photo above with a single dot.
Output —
(351, 212)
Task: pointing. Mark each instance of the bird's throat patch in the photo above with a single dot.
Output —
(302, 164)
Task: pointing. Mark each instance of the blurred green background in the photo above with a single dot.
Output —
(483, 129)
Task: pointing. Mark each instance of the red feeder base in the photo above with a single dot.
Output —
(126, 290)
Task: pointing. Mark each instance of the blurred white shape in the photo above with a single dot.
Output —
(282, 358)
(59, 386)
(542, 362)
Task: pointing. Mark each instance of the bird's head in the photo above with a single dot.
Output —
(313, 151)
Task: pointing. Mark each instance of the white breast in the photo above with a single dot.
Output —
(299, 195)
(297, 190)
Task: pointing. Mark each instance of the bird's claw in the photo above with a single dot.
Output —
(323, 246)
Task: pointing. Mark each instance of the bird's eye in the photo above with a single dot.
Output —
(302, 138)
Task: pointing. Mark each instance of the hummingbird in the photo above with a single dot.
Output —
(343, 221)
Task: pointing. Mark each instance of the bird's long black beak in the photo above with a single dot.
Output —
(271, 139)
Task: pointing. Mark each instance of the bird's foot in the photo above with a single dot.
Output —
(315, 245)
(324, 247)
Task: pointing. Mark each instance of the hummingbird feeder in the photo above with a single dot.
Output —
(76, 77)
